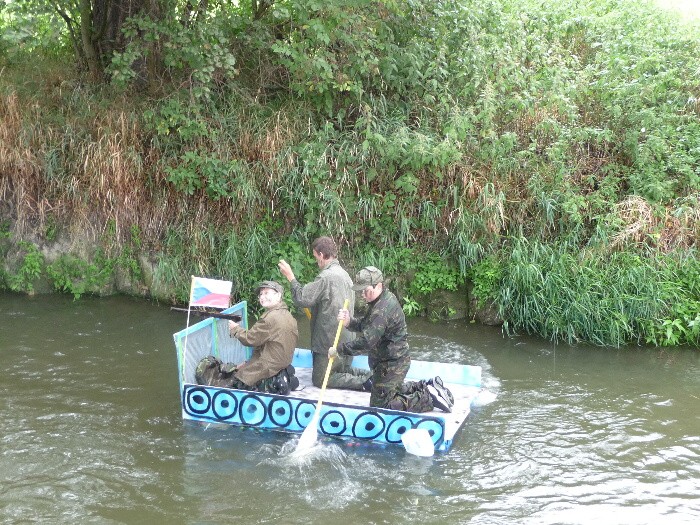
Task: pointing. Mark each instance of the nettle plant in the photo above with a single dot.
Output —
(30, 269)
(680, 325)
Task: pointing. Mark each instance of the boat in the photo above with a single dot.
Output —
(344, 414)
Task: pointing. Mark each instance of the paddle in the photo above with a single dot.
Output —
(310, 435)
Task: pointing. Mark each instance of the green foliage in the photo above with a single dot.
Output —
(486, 277)
(681, 323)
(297, 253)
(178, 117)
(29, 271)
(29, 27)
(682, 328)
(198, 56)
(425, 135)
(557, 293)
(197, 171)
(433, 273)
(51, 229)
(5, 247)
(331, 49)
(128, 258)
(443, 313)
(115, 253)
(411, 307)
(5, 232)
(75, 276)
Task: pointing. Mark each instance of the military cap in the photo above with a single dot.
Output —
(368, 276)
(273, 285)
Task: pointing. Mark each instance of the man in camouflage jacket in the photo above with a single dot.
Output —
(384, 339)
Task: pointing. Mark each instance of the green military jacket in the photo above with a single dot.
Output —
(383, 332)
(273, 338)
(324, 297)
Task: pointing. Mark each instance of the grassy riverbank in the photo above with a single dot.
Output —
(546, 155)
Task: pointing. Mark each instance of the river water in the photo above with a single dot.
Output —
(91, 432)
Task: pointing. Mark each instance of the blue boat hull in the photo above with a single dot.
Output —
(344, 414)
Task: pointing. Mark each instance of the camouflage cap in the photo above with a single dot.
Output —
(368, 276)
(273, 285)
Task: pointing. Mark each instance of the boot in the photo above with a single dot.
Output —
(439, 400)
(293, 380)
(280, 383)
(445, 393)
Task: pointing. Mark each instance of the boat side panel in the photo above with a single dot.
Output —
(209, 337)
(290, 414)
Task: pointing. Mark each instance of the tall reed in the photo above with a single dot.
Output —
(562, 294)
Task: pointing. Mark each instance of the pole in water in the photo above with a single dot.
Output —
(310, 435)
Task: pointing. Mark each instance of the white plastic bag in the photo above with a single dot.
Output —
(417, 441)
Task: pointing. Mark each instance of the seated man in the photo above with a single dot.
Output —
(383, 336)
(273, 338)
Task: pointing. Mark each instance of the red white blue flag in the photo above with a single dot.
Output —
(210, 292)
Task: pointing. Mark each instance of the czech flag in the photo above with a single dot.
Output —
(210, 292)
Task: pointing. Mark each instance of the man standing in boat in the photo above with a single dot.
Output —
(273, 338)
(324, 297)
(384, 339)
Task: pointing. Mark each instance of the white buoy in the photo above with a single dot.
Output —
(417, 441)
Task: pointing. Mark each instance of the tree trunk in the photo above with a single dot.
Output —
(109, 17)
(96, 30)
(87, 37)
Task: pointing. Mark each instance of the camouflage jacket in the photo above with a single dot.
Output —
(384, 336)
(273, 338)
(324, 297)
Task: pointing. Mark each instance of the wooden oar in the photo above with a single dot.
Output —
(310, 435)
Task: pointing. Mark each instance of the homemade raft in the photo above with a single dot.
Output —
(344, 413)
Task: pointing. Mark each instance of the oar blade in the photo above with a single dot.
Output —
(308, 438)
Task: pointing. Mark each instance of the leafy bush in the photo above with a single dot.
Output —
(680, 324)
(433, 273)
(75, 276)
(199, 56)
(30, 269)
(486, 278)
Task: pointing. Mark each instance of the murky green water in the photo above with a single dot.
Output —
(91, 432)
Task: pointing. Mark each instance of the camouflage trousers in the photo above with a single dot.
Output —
(390, 391)
(212, 371)
(342, 374)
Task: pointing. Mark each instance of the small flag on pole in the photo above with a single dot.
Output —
(210, 292)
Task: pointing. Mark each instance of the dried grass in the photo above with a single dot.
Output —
(638, 221)
(100, 180)
(682, 224)
(20, 187)
(677, 226)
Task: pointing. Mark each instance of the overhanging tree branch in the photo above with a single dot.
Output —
(70, 24)
(259, 7)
